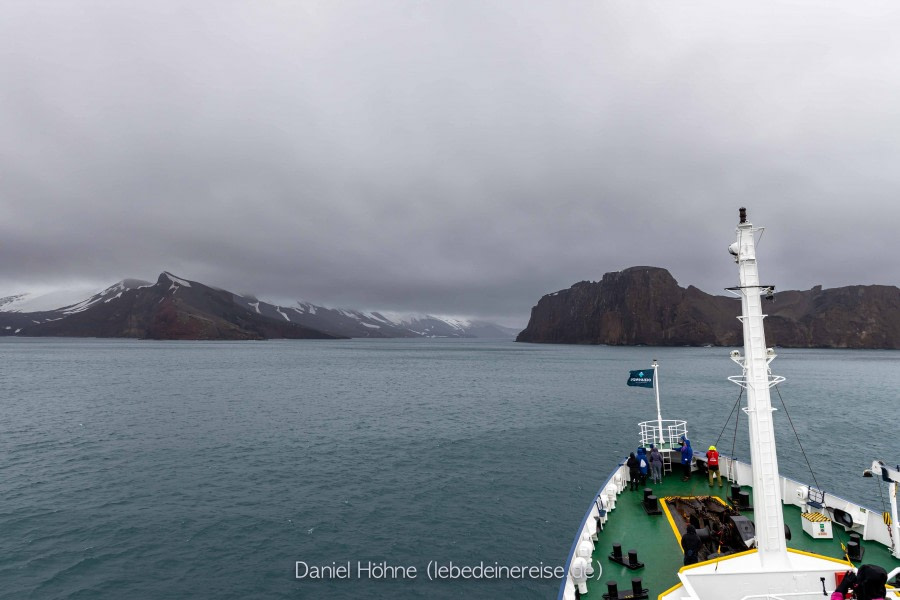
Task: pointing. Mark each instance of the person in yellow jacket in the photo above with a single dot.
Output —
(712, 463)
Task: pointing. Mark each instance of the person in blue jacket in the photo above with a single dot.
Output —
(687, 455)
(643, 464)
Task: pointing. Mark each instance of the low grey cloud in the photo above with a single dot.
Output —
(445, 157)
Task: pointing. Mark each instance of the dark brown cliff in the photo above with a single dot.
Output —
(645, 305)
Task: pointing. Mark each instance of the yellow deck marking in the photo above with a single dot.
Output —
(719, 559)
(668, 513)
(814, 555)
(815, 517)
(669, 591)
(665, 504)
(745, 553)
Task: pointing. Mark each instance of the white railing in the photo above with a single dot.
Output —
(672, 430)
(810, 595)
(869, 523)
(816, 595)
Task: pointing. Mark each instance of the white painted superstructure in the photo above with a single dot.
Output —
(892, 476)
(771, 571)
(756, 380)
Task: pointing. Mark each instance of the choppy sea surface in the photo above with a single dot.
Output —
(140, 469)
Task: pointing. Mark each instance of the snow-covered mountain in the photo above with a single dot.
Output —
(38, 314)
(381, 324)
(26, 310)
(66, 301)
(173, 308)
(444, 326)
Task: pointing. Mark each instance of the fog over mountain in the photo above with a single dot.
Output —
(177, 308)
(445, 157)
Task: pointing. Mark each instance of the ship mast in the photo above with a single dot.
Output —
(655, 365)
(757, 380)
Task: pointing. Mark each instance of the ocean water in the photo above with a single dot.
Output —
(141, 469)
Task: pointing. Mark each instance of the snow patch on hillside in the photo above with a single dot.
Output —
(67, 301)
(177, 280)
(418, 319)
(398, 318)
(457, 322)
(31, 302)
(307, 307)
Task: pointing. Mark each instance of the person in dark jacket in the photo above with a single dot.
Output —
(868, 583)
(690, 543)
(687, 455)
(634, 471)
(656, 464)
(643, 464)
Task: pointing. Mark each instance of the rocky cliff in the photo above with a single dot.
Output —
(645, 305)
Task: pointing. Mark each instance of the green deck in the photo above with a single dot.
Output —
(660, 550)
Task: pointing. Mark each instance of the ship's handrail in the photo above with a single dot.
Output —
(867, 521)
(813, 595)
(567, 579)
(816, 594)
(673, 429)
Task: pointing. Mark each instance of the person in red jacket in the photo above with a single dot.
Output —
(712, 463)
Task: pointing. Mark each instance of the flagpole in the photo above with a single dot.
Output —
(658, 409)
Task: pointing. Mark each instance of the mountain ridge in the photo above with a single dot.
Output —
(173, 308)
(332, 322)
(646, 306)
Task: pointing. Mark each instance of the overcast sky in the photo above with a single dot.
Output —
(453, 157)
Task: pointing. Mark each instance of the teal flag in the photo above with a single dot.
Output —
(641, 378)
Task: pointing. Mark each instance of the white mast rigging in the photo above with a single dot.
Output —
(757, 379)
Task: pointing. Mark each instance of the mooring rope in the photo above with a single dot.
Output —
(811, 472)
(802, 451)
(729, 419)
(884, 513)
